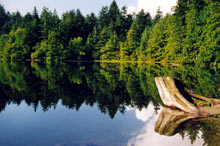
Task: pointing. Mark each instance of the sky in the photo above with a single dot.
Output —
(86, 6)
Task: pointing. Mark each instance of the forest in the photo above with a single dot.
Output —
(190, 35)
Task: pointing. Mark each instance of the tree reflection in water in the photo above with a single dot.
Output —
(112, 87)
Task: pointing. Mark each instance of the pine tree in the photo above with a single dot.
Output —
(132, 43)
(210, 37)
(157, 41)
(103, 17)
(103, 38)
(49, 22)
(3, 18)
(111, 51)
(143, 44)
(158, 16)
(54, 47)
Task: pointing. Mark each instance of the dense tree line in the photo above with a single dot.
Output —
(190, 35)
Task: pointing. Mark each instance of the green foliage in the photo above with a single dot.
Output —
(54, 47)
(142, 20)
(3, 41)
(132, 42)
(49, 50)
(157, 41)
(40, 51)
(159, 15)
(3, 18)
(111, 50)
(188, 36)
(174, 44)
(49, 22)
(210, 38)
(15, 48)
(143, 45)
(106, 87)
(75, 49)
(73, 24)
(103, 17)
(103, 38)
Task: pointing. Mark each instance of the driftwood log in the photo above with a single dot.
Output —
(170, 120)
(175, 94)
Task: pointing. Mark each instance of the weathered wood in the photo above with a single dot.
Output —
(169, 119)
(175, 94)
(171, 95)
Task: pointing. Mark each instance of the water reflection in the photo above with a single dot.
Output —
(173, 121)
(74, 85)
(115, 89)
(151, 135)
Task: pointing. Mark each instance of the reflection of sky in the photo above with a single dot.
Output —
(21, 126)
(148, 137)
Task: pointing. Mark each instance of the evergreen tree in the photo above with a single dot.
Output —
(157, 41)
(210, 37)
(123, 23)
(80, 26)
(103, 38)
(3, 18)
(113, 12)
(143, 45)
(158, 16)
(174, 46)
(132, 42)
(142, 20)
(55, 48)
(49, 22)
(91, 44)
(32, 27)
(111, 51)
(103, 17)
(193, 31)
(90, 23)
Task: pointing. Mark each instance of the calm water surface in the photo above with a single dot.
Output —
(99, 105)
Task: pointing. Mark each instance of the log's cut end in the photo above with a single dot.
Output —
(171, 95)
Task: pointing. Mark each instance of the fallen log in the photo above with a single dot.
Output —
(170, 120)
(175, 94)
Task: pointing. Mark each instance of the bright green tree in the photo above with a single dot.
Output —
(111, 51)
(16, 47)
(210, 37)
(132, 43)
(55, 48)
(75, 49)
(143, 45)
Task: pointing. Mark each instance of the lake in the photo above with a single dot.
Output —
(100, 104)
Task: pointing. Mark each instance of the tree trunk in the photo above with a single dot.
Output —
(175, 94)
